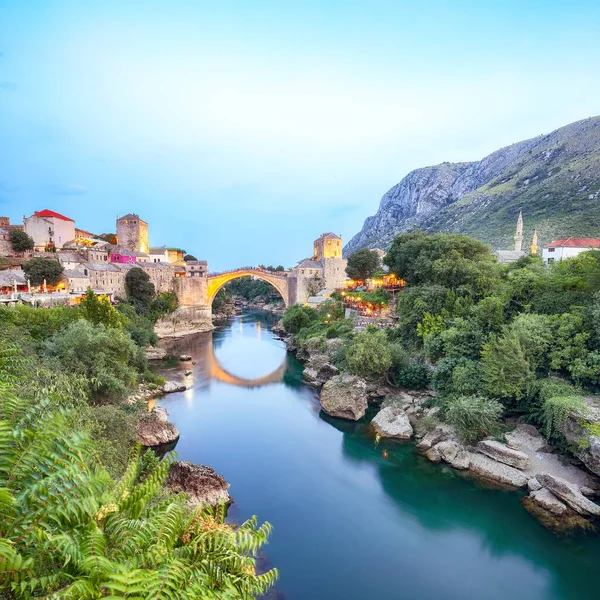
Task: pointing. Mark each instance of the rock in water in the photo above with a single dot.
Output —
(454, 454)
(568, 493)
(439, 433)
(172, 386)
(546, 499)
(344, 397)
(185, 357)
(490, 469)
(202, 484)
(154, 428)
(504, 454)
(392, 423)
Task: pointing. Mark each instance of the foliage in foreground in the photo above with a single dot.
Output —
(69, 532)
(474, 417)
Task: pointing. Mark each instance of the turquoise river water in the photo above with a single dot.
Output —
(353, 519)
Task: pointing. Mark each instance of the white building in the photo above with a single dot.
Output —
(568, 248)
(49, 228)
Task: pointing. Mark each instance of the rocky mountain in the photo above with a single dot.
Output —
(554, 179)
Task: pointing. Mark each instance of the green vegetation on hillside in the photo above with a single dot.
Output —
(520, 338)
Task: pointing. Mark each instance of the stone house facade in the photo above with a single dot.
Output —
(132, 233)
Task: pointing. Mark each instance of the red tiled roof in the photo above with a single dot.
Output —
(575, 243)
(51, 213)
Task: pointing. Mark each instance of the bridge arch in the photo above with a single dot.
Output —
(278, 280)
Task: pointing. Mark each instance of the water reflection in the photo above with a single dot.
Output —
(211, 365)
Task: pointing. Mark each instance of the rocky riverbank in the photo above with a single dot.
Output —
(561, 491)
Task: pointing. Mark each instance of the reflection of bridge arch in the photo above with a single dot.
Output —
(218, 373)
(277, 279)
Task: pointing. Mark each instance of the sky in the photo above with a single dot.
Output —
(241, 131)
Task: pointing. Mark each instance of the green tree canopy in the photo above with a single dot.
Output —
(38, 269)
(297, 317)
(369, 353)
(362, 264)
(99, 311)
(189, 257)
(139, 289)
(451, 260)
(20, 241)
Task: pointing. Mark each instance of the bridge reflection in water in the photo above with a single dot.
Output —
(208, 367)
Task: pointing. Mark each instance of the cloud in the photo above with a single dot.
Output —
(67, 190)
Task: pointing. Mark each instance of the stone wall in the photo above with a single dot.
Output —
(334, 273)
(186, 319)
(192, 291)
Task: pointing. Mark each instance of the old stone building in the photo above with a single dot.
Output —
(132, 233)
(106, 277)
(326, 270)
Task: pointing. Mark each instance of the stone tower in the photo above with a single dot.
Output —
(519, 233)
(534, 243)
(132, 233)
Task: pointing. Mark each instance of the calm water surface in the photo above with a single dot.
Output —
(356, 520)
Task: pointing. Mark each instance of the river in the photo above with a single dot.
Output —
(352, 519)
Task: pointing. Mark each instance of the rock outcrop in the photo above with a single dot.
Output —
(155, 353)
(569, 493)
(581, 429)
(344, 397)
(319, 369)
(202, 484)
(547, 500)
(492, 191)
(494, 471)
(172, 386)
(454, 454)
(504, 454)
(392, 423)
(154, 428)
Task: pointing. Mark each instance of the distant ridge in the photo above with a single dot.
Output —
(554, 179)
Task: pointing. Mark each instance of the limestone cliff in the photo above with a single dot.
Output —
(554, 179)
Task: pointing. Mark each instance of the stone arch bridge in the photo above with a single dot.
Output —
(198, 293)
(278, 279)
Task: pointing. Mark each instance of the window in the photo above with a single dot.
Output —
(551, 249)
(550, 260)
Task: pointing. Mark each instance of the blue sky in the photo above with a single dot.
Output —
(243, 130)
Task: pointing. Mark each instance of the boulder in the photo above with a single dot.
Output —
(344, 397)
(490, 469)
(185, 357)
(569, 493)
(155, 353)
(533, 485)
(454, 454)
(504, 454)
(431, 438)
(546, 499)
(319, 369)
(433, 455)
(392, 423)
(172, 386)
(581, 428)
(332, 346)
(202, 484)
(278, 328)
(525, 438)
(154, 428)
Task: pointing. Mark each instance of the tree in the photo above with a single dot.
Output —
(128, 538)
(188, 257)
(107, 358)
(99, 311)
(298, 317)
(474, 417)
(164, 304)
(369, 353)
(38, 269)
(111, 238)
(139, 289)
(362, 264)
(505, 371)
(20, 241)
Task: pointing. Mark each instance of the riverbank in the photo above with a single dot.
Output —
(559, 490)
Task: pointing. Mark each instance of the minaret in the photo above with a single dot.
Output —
(534, 245)
(519, 234)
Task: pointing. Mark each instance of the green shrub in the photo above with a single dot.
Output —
(473, 417)
(298, 317)
(555, 411)
(107, 358)
(368, 354)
